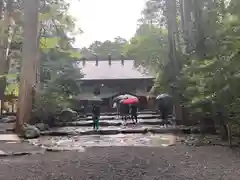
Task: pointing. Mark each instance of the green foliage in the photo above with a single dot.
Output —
(217, 78)
(11, 76)
(49, 43)
(208, 70)
(12, 89)
(58, 74)
(148, 47)
(103, 49)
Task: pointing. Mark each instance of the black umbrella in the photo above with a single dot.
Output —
(164, 100)
(163, 96)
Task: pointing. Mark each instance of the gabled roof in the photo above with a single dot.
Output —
(117, 70)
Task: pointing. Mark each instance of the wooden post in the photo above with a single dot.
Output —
(29, 62)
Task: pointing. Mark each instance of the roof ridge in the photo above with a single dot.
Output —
(114, 70)
(107, 60)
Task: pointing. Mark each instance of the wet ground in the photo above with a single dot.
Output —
(105, 128)
(81, 142)
(126, 163)
(121, 156)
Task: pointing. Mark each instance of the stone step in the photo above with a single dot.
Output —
(107, 117)
(140, 112)
(6, 128)
(71, 131)
(9, 137)
(111, 123)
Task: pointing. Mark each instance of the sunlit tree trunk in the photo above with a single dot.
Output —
(29, 63)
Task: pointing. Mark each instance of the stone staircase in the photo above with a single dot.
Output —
(113, 120)
(114, 116)
(109, 125)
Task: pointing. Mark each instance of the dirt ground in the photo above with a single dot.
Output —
(177, 162)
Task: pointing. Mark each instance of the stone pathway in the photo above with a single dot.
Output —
(79, 143)
(105, 122)
(12, 145)
(81, 133)
(110, 130)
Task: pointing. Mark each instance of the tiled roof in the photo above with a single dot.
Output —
(116, 70)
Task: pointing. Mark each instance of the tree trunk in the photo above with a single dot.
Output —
(171, 22)
(5, 43)
(207, 125)
(200, 41)
(2, 86)
(223, 127)
(29, 63)
(229, 129)
(187, 24)
(172, 54)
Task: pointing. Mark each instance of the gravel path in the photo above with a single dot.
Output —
(126, 163)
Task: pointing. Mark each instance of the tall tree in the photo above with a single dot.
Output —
(59, 74)
(29, 62)
(207, 50)
(148, 47)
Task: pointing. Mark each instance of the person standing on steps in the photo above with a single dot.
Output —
(82, 110)
(126, 109)
(96, 116)
(164, 106)
(133, 110)
(123, 111)
(116, 106)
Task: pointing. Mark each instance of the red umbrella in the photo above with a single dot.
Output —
(130, 101)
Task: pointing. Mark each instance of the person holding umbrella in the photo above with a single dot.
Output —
(124, 111)
(116, 106)
(164, 105)
(132, 102)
